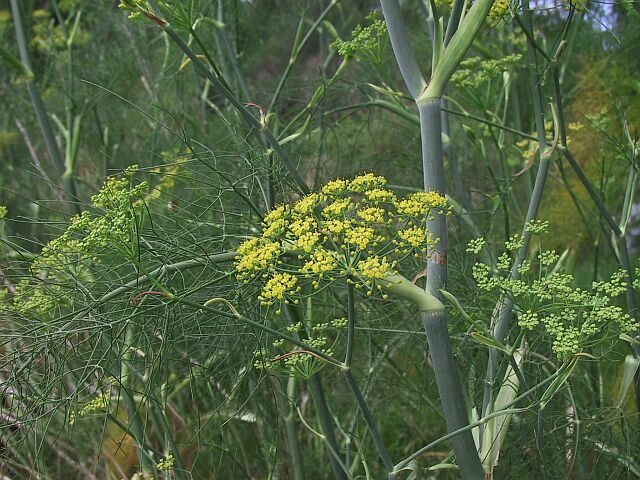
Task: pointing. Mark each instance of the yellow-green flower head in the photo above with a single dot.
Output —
(306, 204)
(108, 229)
(499, 9)
(278, 213)
(361, 237)
(335, 187)
(415, 236)
(337, 207)
(302, 225)
(372, 214)
(322, 261)
(422, 203)
(257, 254)
(375, 268)
(337, 226)
(354, 230)
(380, 195)
(367, 181)
(307, 241)
(278, 286)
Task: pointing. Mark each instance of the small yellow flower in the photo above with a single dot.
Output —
(337, 226)
(362, 237)
(372, 214)
(307, 241)
(375, 267)
(306, 204)
(367, 181)
(278, 286)
(335, 187)
(302, 226)
(278, 213)
(420, 204)
(322, 261)
(415, 236)
(257, 254)
(380, 195)
(337, 208)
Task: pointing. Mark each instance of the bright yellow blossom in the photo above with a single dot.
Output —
(375, 267)
(278, 286)
(362, 237)
(335, 187)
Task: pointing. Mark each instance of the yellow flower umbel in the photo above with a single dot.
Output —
(278, 286)
(355, 230)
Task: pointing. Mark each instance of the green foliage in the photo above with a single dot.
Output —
(366, 42)
(126, 346)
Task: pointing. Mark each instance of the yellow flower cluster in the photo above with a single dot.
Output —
(165, 464)
(362, 237)
(368, 181)
(335, 187)
(322, 261)
(380, 195)
(98, 404)
(307, 204)
(372, 214)
(499, 9)
(420, 204)
(414, 236)
(307, 241)
(278, 286)
(337, 208)
(352, 229)
(337, 226)
(375, 267)
(257, 254)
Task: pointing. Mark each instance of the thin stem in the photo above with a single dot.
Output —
(482, 421)
(295, 51)
(318, 353)
(351, 315)
(369, 420)
(326, 423)
(258, 128)
(504, 306)
(340, 472)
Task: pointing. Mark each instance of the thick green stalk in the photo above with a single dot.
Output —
(402, 48)
(456, 50)
(433, 171)
(454, 409)
(451, 394)
(435, 324)
(506, 411)
(428, 98)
